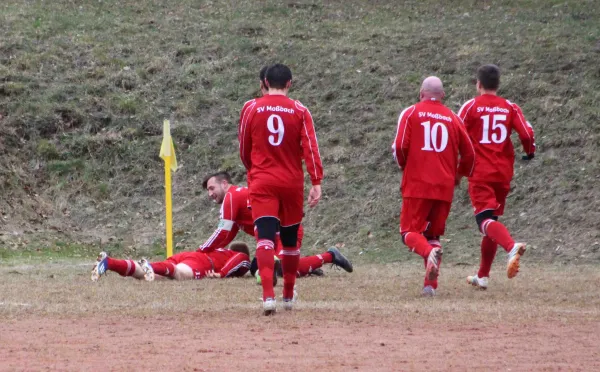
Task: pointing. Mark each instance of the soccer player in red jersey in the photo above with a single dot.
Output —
(429, 140)
(224, 263)
(236, 215)
(490, 120)
(276, 133)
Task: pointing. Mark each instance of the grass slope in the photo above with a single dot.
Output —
(84, 89)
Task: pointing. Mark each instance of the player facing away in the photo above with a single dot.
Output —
(276, 133)
(224, 263)
(429, 140)
(490, 120)
(236, 215)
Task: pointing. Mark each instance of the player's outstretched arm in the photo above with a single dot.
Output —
(237, 265)
(227, 229)
(223, 235)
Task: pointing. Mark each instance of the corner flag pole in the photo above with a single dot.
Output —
(167, 153)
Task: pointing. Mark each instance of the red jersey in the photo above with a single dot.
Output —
(275, 134)
(429, 139)
(489, 120)
(229, 263)
(235, 215)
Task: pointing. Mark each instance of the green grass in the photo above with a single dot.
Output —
(84, 90)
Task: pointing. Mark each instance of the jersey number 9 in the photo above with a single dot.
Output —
(275, 126)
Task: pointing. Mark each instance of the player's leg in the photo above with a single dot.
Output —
(291, 212)
(122, 267)
(413, 221)
(184, 272)
(290, 259)
(489, 201)
(309, 264)
(265, 212)
(488, 253)
(265, 258)
(437, 217)
(164, 268)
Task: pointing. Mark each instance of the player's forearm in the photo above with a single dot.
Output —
(220, 238)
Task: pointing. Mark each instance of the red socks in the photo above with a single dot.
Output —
(121, 267)
(164, 268)
(418, 244)
(498, 233)
(290, 258)
(266, 264)
(488, 252)
(308, 264)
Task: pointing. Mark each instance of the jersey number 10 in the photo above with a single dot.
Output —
(431, 137)
(275, 126)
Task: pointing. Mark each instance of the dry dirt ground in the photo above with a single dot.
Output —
(52, 317)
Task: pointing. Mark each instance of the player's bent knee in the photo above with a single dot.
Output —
(183, 272)
(485, 215)
(267, 227)
(289, 235)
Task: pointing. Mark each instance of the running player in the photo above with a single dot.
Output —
(225, 263)
(429, 139)
(276, 133)
(489, 120)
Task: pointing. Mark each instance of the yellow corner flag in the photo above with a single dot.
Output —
(167, 153)
(167, 150)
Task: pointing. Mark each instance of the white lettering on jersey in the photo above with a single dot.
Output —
(492, 109)
(434, 116)
(275, 109)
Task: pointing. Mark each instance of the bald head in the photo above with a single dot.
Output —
(432, 88)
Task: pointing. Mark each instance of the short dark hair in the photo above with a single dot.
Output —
(220, 177)
(240, 247)
(278, 76)
(489, 76)
(263, 73)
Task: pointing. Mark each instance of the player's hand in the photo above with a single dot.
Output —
(314, 195)
(212, 274)
(528, 157)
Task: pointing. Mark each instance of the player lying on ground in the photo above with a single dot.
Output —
(236, 215)
(276, 134)
(429, 139)
(225, 263)
(489, 120)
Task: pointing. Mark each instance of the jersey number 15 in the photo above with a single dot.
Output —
(499, 131)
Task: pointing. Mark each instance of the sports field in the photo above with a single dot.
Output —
(55, 318)
(85, 87)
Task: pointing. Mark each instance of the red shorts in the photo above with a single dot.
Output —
(283, 203)
(197, 261)
(489, 196)
(424, 216)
